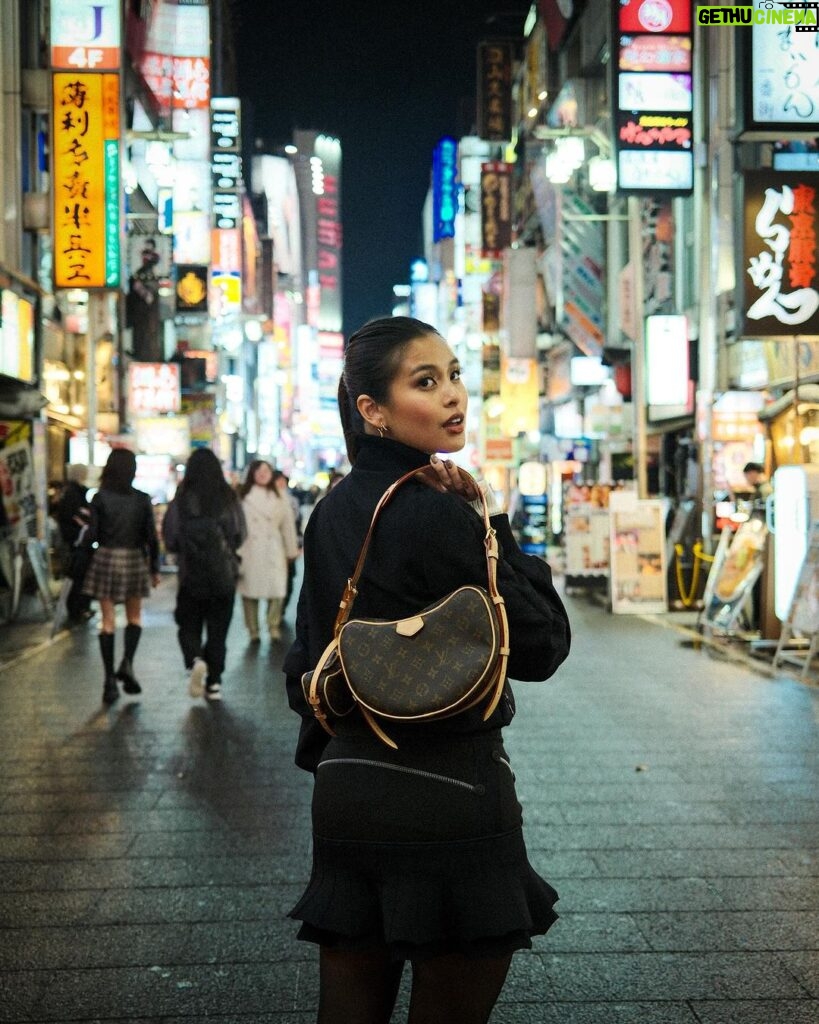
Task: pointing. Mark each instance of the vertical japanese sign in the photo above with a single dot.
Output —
(444, 188)
(496, 209)
(779, 273)
(226, 272)
(653, 96)
(495, 90)
(86, 192)
(226, 179)
(784, 89)
(327, 188)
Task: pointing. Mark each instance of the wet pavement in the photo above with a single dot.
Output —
(150, 851)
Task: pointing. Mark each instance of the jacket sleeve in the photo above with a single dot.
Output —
(170, 527)
(238, 526)
(453, 555)
(312, 738)
(288, 531)
(92, 534)
(151, 539)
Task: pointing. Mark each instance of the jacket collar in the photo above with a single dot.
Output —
(377, 454)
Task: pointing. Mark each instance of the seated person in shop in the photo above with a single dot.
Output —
(758, 487)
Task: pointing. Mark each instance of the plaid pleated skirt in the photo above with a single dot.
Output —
(116, 574)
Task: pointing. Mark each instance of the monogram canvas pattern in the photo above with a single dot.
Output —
(440, 670)
(436, 663)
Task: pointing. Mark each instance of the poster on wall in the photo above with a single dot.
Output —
(637, 546)
(18, 490)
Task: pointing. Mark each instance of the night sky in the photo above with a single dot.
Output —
(389, 83)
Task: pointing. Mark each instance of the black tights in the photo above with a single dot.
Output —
(360, 988)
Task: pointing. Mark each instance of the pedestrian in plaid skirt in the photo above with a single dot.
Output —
(124, 566)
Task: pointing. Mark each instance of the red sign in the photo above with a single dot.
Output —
(656, 131)
(555, 15)
(655, 16)
(153, 388)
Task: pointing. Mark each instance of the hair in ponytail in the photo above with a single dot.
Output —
(371, 360)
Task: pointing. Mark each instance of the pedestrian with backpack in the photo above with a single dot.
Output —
(204, 526)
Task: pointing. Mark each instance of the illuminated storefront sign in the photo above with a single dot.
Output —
(656, 131)
(226, 276)
(653, 96)
(667, 365)
(444, 188)
(329, 233)
(85, 35)
(16, 336)
(86, 180)
(641, 90)
(496, 209)
(654, 16)
(779, 274)
(655, 53)
(495, 90)
(191, 288)
(519, 389)
(175, 63)
(153, 388)
(784, 85)
(226, 162)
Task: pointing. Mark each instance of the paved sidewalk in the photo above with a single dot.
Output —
(150, 851)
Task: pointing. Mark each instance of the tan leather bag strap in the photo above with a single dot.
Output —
(491, 545)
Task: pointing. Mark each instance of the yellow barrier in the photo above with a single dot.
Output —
(687, 597)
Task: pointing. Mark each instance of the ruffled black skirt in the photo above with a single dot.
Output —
(421, 849)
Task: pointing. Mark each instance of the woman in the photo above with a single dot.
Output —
(124, 566)
(271, 543)
(417, 853)
(204, 526)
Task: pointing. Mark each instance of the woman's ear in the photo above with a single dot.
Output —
(369, 409)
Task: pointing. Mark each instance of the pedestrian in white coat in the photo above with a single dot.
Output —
(271, 543)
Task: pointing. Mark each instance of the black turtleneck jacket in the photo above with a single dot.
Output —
(425, 545)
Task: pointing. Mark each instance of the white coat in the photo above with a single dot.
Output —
(271, 540)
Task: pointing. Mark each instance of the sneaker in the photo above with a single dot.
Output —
(196, 680)
(213, 691)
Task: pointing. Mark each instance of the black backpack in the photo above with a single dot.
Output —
(210, 566)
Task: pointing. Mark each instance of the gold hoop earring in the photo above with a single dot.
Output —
(382, 430)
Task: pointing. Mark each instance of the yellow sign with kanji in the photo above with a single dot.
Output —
(86, 180)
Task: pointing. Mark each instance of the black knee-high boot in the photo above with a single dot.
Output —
(110, 690)
(125, 672)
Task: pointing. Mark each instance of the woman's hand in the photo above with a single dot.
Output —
(443, 475)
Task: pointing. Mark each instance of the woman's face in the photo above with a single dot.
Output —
(262, 474)
(426, 407)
